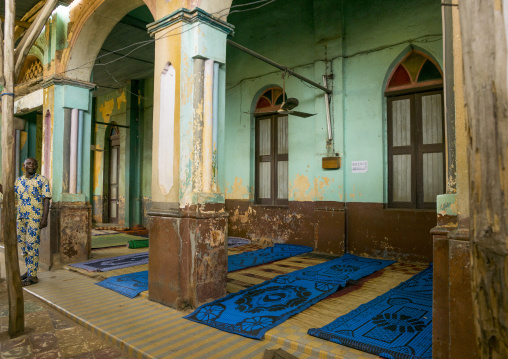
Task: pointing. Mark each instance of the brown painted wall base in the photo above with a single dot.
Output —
(320, 225)
(453, 335)
(68, 235)
(188, 258)
(398, 234)
(372, 230)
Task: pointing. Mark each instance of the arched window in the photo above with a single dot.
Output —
(31, 70)
(416, 144)
(270, 100)
(271, 149)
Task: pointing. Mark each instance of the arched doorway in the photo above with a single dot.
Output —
(416, 140)
(271, 149)
(123, 115)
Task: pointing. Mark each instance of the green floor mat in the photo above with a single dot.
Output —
(112, 240)
(138, 243)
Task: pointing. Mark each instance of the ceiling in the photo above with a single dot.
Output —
(115, 64)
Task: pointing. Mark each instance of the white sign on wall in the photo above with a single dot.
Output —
(359, 166)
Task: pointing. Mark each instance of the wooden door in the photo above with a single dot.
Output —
(114, 164)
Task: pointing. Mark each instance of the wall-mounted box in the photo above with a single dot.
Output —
(331, 163)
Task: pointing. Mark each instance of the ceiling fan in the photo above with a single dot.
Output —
(290, 103)
(287, 108)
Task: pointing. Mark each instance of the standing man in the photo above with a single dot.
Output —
(32, 198)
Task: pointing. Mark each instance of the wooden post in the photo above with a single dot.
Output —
(2, 79)
(484, 47)
(15, 292)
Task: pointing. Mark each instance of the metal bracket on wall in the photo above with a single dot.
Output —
(281, 67)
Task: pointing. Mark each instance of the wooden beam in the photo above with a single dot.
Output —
(33, 10)
(28, 18)
(15, 292)
(31, 35)
(484, 50)
(23, 24)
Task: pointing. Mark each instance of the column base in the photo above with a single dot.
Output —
(188, 257)
(67, 238)
(453, 333)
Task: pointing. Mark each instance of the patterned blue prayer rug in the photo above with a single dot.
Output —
(139, 281)
(237, 241)
(253, 311)
(129, 285)
(265, 255)
(395, 325)
(107, 264)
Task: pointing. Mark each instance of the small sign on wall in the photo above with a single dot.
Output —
(359, 166)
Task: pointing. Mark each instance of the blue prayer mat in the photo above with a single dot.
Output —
(265, 255)
(129, 285)
(253, 311)
(237, 241)
(138, 282)
(395, 325)
(107, 264)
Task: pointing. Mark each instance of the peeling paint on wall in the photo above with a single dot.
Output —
(22, 139)
(217, 238)
(321, 186)
(447, 204)
(97, 168)
(121, 99)
(238, 190)
(300, 189)
(106, 109)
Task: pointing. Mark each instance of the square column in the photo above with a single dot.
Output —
(453, 333)
(188, 231)
(66, 163)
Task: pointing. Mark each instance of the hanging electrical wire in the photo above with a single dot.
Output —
(164, 35)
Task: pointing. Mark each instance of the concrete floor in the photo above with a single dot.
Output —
(49, 334)
(145, 329)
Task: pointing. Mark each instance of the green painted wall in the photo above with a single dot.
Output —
(388, 23)
(67, 97)
(146, 150)
(357, 42)
(31, 140)
(56, 33)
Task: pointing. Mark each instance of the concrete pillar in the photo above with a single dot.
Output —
(208, 127)
(68, 235)
(453, 335)
(73, 150)
(188, 254)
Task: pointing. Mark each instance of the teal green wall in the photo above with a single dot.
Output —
(56, 32)
(147, 124)
(357, 42)
(31, 145)
(388, 23)
(70, 97)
